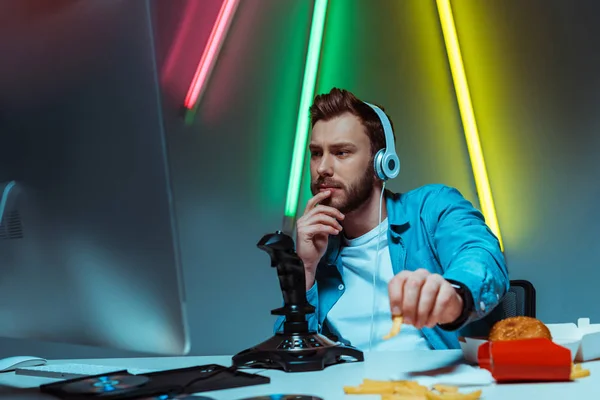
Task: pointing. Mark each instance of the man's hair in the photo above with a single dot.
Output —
(339, 101)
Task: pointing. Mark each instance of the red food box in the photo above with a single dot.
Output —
(527, 360)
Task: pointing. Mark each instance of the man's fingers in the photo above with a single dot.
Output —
(423, 298)
(427, 299)
(396, 292)
(313, 230)
(322, 219)
(412, 291)
(313, 206)
(315, 215)
(321, 209)
(316, 199)
(397, 289)
(444, 300)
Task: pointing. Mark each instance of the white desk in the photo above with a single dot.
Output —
(328, 383)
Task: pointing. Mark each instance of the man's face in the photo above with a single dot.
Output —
(341, 162)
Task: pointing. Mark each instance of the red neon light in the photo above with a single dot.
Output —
(183, 32)
(211, 50)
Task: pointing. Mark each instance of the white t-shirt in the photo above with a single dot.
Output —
(350, 317)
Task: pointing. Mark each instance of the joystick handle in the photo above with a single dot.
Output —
(290, 271)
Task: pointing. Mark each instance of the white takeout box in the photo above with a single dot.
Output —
(588, 336)
(583, 340)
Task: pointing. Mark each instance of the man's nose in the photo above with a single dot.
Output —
(325, 167)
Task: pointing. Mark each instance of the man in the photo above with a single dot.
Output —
(438, 264)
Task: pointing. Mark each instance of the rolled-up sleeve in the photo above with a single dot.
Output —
(468, 250)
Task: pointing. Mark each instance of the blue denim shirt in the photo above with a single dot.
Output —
(432, 227)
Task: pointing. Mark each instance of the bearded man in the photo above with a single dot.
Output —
(370, 254)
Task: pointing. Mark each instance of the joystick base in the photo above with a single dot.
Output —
(297, 353)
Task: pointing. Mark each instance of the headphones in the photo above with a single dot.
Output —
(387, 163)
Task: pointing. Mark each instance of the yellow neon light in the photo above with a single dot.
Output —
(468, 117)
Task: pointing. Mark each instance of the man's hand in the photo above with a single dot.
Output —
(424, 299)
(313, 230)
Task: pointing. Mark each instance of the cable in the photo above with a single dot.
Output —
(376, 271)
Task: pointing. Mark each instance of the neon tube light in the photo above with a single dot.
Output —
(183, 31)
(209, 56)
(468, 117)
(308, 91)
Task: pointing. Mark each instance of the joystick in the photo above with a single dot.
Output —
(296, 348)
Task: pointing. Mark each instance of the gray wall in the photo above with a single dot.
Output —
(533, 71)
(230, 167)
(531, 66)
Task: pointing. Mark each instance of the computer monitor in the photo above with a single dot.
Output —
(88, 240)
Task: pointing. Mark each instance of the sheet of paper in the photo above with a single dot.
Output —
(456, 375)
(435, 367)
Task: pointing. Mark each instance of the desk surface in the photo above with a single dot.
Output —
(327, 384)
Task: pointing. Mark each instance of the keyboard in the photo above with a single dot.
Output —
(73, 370)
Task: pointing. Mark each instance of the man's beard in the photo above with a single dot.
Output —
(355, 194)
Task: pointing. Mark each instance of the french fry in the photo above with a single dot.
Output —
(396, 325)
(445, 388)
(409, 390)
(401, 383)
(403, 397)
(369, 389)
(454, 396)
(579, 373)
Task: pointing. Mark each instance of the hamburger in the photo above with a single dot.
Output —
(517, 328)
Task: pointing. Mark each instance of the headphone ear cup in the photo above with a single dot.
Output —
(390, 164)
(378, 165)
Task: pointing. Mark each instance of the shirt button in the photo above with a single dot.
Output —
(341, 287)
(482, 306)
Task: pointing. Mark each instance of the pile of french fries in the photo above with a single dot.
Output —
(410, 390)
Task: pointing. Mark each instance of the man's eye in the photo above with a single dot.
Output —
(315, 153)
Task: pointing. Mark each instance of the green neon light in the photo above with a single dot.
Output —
(308, 92)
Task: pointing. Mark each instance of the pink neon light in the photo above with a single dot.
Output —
(211, 50)
(183, 31)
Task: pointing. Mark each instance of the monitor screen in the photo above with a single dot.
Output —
(89, 250)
